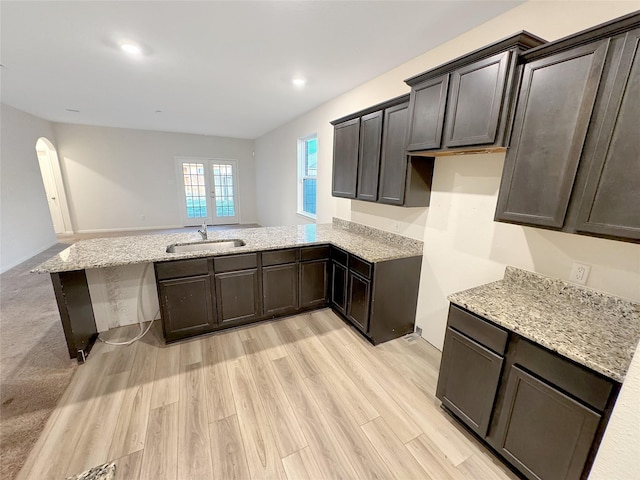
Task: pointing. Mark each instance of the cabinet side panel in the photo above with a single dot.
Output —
(394, 298)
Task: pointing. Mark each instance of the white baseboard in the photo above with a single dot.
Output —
(130, 229)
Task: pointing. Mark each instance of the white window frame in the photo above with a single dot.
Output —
(301, 177)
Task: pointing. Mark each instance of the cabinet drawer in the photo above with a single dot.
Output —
(235, 262)
(479, 330)
(360, 266)
(182, 268)
(314, 253)
(339, 256)
(278, 257)
(564, 374)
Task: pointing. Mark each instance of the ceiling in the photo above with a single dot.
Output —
(210, 67)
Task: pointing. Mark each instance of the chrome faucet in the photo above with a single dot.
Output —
(203, 231)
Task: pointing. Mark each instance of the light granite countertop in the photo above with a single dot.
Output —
(367, 243)
(592, 328)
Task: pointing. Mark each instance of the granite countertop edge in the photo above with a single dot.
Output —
(368, 243)
(594, 329)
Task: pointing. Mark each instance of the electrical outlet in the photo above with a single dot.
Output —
(579, 273)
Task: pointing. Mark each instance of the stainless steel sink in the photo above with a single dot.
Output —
(211, 245)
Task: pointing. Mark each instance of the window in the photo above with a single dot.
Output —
(307, 172)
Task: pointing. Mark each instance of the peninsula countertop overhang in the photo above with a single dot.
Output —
(367, 243)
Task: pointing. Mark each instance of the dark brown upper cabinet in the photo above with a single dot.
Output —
(426, 111)
(552, 116)
(572, 164)
(477, 93)
(346, 138)
(369, 159)
(610, 204)
(385, 173)
(465, 103)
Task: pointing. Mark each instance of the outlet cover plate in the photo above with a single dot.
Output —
(579, 273)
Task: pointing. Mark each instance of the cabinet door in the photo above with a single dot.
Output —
(468, 381)
(543, 432)
(475, 101)
(358, 301)
(393, 169)
(313, 283)
(426, 112)
(611, 200)
(369, 163)
(346, 137)
(280, 289)
(550, 125)
(237, 295)
(187, 307)
(339, 287)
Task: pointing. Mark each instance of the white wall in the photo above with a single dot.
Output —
(463, 247)
(25, 223)
(115, 176)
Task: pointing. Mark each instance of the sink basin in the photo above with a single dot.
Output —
(212, 245)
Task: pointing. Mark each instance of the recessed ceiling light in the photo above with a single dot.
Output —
(131, 48)
(73, 110)
(299, 81)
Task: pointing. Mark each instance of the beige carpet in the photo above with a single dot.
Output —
(35, 368)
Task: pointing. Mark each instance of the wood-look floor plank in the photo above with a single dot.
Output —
(301, 465)
(395, 455)
(384, 402)
(131, 427)
(191, 352)
(227, 450)
(419, 406)
(271, 342)
(302, 361)
(432, 460)
(232, 345)
(98, 427)
(160, 456)
(481, 467)
(353, 400)
(122, 359)
(263, 458)
(129, 466)
(362, 456)
(331, 459)
(194, 445)
(220, 402)
(284, 426)
(52, 453)
(166, 385)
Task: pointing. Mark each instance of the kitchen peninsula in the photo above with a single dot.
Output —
(368, 276)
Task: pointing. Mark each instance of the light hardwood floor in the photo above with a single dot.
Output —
(296, 398)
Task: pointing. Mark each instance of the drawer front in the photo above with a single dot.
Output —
(314, 253)
(182, 268)
(339, 256)
(578, 381)
(480, 330)
(235, 262)
(363, 268)
(278, 257)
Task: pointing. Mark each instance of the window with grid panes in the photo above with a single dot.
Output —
(307, 172)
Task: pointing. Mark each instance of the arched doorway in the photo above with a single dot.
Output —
(53, 185)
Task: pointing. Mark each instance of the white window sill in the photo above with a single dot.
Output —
(306, 216)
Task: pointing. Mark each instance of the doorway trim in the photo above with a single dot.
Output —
(46, 152)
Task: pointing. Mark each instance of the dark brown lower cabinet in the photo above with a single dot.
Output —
(187, 307)
(542, 413)
(358, 301)
(238, 296)
(339, 287)
(470, 376)
(280, 289)
(543, 432)
(314, 282)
